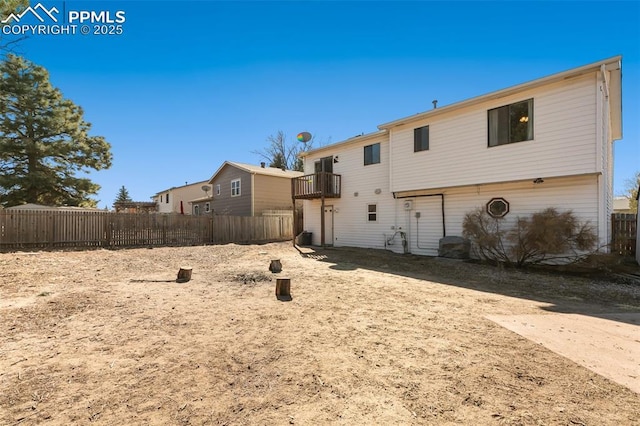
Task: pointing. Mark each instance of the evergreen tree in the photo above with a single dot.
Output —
(44, 141)
(123, 196)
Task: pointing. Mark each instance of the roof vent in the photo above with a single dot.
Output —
(435, 103)
(262, 164)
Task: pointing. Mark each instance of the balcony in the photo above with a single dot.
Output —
(317, 185)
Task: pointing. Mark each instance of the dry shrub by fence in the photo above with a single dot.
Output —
(20, 229)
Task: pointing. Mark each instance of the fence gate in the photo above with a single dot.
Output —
(623, 233)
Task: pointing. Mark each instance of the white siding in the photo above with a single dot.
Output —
(578, 194)
(351, 227)
(458, 155)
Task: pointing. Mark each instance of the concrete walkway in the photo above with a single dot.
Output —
(608, 344)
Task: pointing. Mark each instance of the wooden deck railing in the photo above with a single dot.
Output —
(317, 185)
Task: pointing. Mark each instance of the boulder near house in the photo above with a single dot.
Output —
(247, 190)
(516, 151)
(176, 199)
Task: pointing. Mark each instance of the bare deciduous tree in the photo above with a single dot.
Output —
(282, 154)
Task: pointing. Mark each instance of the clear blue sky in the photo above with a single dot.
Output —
(189, 85)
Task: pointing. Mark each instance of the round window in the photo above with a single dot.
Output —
(497, 207)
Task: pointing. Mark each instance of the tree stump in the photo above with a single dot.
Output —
(275, 266)
(283, 288)
(184, 274)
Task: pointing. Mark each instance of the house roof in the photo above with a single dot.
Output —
(615, 92)
(178, 187)
(611, 64)
(257, 170)
(354, 139)
(201, 199)
(32, 206)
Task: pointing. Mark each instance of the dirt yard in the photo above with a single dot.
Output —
(369, 337)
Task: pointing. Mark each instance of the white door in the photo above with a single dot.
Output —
(328, 225)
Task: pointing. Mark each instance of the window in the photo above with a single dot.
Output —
(218, 189)
(196, 210)
(372, 212)
(498, 207)
(235, 188)
(421, 139)
(511, 123)
(167, 198)
(372, 154)
(207, 207)
(160, 198)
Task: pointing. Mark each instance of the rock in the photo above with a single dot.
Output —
(454, 247)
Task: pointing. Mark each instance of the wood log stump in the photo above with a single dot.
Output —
(275, 266)
(283, 288)
(184, 274)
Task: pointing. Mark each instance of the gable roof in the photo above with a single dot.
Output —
(615, 91)
(257, 170)
(178, 187)
(612, 64)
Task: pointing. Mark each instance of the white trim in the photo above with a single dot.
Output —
(238, 189)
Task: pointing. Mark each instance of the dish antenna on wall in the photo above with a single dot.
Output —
(205, 188)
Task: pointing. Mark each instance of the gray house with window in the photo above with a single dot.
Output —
(247, 190)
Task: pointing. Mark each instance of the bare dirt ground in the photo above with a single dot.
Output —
(369, 337)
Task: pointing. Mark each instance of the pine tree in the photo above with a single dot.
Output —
(44, 141)
(123, 196)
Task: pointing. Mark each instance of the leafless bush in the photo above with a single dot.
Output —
(548, 235)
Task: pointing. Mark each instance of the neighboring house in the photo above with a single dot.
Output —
(247, 190)
(176, 199)
(545, 143)
(621, 205)
(40, 207)
(202, 206)
(135, 207)
(638, 227)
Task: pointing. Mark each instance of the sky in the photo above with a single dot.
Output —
(188, 85)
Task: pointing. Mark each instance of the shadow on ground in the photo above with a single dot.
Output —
(598, 294)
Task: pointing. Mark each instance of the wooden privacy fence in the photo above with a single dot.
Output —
(24, 229)
(624, 233)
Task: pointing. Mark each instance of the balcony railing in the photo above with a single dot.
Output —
(317, 185)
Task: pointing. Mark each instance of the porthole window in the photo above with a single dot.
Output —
(497, 207)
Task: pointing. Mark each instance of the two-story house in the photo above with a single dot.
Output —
(177, 198)
(247, 190)
(544, 143)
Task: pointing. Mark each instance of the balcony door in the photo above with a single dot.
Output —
(324, 165)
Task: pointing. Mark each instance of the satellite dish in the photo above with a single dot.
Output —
(205, 188)
(304, 137)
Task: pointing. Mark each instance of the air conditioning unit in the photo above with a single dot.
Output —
(408, 204)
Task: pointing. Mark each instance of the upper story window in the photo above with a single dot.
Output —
(372, 212)
(511, 123)
(218, 189)
(372, 154)
(421, 139)
(167, 198)
(235, 187)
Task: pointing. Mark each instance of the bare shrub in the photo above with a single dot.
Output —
(548, 235)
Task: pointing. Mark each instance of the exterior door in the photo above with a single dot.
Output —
(324, 165)
(328, 225)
